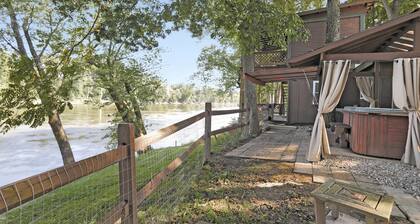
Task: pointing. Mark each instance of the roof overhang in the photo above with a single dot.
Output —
(278, 74)
(394, 37)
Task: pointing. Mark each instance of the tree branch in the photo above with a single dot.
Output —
(84, 37)
(10, 44)
(15, 27)
(388, 9)
(31, 46)
(52, 31)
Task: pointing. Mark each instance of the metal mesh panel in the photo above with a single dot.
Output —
(270, 58)
(83, 201)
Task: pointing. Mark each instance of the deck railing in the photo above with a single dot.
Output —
(133, 188)
(270, 58)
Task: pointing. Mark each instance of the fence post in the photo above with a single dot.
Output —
(127, 174)
(207, 132)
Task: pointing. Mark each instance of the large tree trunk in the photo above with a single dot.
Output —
(126, 114)
(393, 11)
(333, 34)
(61, 138)
(53, 119)
(333, 20)
(137, 110)
(250, 99)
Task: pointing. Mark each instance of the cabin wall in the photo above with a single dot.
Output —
(317, 30)
(383, 84)
(350, 97)
(300, 109)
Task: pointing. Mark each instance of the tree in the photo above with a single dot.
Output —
(333, 21)
(245, 23)
(222, 60)
(391, 9)
(125, 28)
(43, 38)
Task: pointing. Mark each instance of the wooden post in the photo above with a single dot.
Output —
(416, 35)
(127, 174)
(319, 211)
(207, 132)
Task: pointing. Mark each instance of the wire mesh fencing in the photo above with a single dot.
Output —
(83, 201)
(115, 186)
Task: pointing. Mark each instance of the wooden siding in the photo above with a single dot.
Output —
(300, 110)
(377, 135)
(317, 31)
(383, 84)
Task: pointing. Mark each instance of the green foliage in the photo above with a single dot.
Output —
(41, 77)
(378, 15)
(242, 22)
(190, 94)
(219, 65)
(303, 5)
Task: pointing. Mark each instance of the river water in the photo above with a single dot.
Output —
(26, 151)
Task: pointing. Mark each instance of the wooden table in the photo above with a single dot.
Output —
(348, 198)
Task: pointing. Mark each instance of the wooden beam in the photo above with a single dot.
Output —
(253, 79)
(284, 71)
(417, 36)
(367, 73)
(404, 41)
(381, 56)
(401, 46)
(288, 76)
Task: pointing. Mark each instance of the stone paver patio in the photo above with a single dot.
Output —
(290, 144)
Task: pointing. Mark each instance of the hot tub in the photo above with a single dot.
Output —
(380, 132)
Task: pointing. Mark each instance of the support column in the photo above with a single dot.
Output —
(417, 35)
(250, 98)
(207, 132)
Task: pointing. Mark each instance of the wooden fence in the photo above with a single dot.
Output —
(29, 189)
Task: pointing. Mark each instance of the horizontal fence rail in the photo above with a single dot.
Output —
(131, 196)
(16, 194)
(144, 141)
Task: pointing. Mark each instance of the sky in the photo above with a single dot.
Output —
(179, 56)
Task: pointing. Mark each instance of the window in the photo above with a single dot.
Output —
(315, 92)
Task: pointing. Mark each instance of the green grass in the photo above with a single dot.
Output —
(88, 199)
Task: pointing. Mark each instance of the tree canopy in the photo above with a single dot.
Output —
(242, 22)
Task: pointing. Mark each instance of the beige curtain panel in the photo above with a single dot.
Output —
(334, 76)
(406, 96)
(366, 87)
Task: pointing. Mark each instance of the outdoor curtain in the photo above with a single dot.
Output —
(334, 76)
(406, 96)
(365, 85)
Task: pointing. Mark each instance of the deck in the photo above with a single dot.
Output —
(279, 143)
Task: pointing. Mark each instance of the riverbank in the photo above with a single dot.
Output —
(34, 150)
(88, 199)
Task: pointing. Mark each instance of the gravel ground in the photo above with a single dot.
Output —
(386, 172)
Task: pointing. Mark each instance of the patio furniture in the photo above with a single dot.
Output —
(347, 198)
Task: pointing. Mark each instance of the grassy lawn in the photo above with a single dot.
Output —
(88, 199)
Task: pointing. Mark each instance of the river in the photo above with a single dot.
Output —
(26, 151)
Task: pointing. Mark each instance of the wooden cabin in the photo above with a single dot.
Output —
(380, 131)
(301, 107)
